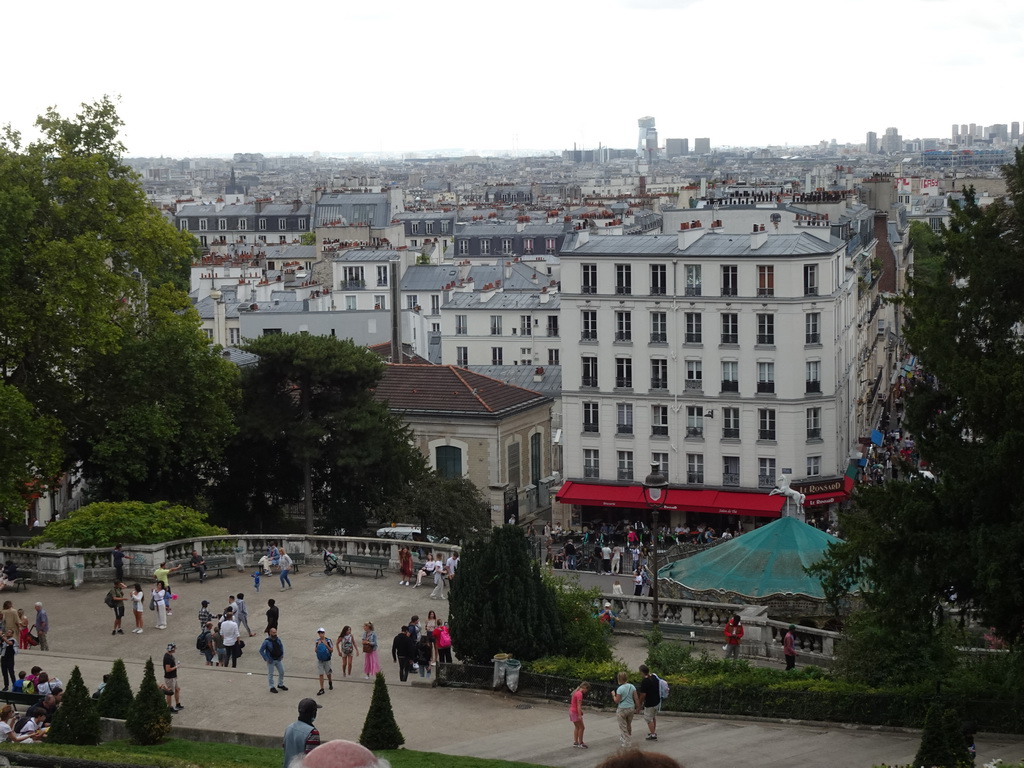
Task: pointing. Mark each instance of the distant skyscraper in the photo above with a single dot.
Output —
(677, 147)
(871, 145)
(892, 142)
(956, 133)
(1014, 131)
(702, 146)
(643, 146)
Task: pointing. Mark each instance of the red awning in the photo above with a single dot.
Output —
(632, 496)
(593, 495)
(756, 504)
(821, 499)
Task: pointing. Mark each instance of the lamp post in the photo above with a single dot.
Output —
(655, 489)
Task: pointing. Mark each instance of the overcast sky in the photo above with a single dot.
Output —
(218, 77)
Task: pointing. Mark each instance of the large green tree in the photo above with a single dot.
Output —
(29, 449)
(922, 546)
(452, 507)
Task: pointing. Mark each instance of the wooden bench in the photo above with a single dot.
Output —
(27, 700)
(679, 632)
(215, 563)
(364, 561)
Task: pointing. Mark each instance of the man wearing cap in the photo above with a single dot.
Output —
(171, 687)
(607, 615)
(205, 617)
(272, 652)
(324, 649)
(301, 737)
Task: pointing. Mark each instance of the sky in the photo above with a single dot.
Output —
(409, 76)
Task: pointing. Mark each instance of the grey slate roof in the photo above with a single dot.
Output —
(710, 244)
(524, 301)
(368, 254)
(525, 376)
(428, 277)
(341, 207)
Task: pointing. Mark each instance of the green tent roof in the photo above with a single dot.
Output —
(767, 561)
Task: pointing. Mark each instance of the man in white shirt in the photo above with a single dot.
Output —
(452, 563)
(229, 631)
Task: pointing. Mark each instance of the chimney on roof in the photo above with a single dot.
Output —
(758, 237)
(689, 233)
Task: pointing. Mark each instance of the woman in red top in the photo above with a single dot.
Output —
(733, 635)
(405, 566)
(576, 714)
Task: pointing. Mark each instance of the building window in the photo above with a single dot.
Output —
(414, 228)
(263, 225)
(813, 381)
(814, 423)
(765, 280)
(731, 470)
(810, 279)
(591, 421)
(731, 423)
(694, 374)
(448, 459)
(624, 372)
(525, 325)
(695, 468)
(380, 301)
(661, 459)
(506, 245)
(412, 301)
(730, 328)
(202, 240)
(589, 368)
(553, 357)
(591, 462)
(282, 225)
(514, 461)
(623, 326)
(813, 466)
(234, 336)
(589, 278)
(766, 424)
(766, 473)
(435, 304)
(485, 247)
(625, 465)
(282, 239)
(462, 356)
(624, 418)
(461, 325)
(222, 224)
(444, 227)
(496, 356)
(463, 247)
(659, 328)
(243, 224)
(382, 276)
(766, 329)
(812, 328)
(695, 421)
(552, 326)
(659, 279)
(730, 376)
(693, 286)
(429, 227)
(203, 225)
(659, 420)
(623, 279)
(766, 378)
(495, 325)
(589, 332)
(693, 328)
(183, 225)
(659, 373)
(550, 244)
(351, 304)
(730, 280)
(527, 245)
(302, 225)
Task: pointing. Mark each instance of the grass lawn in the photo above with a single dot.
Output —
(177, 753)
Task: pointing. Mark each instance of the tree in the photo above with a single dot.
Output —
(585, 637)
(29, 450)
(380, 729)
(942, 740)
(499, 603)
(76, 721)
(116, 698)
(105, 524)
(149, 720)
(446, 506)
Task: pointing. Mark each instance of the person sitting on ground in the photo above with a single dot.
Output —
(8, 718)
(607, 616)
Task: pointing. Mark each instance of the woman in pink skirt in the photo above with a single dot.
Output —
(371, 663)
(576, 714)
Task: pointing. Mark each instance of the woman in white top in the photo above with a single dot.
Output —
(161, 607)
(7, 719)
(426, 570)
(138, 597)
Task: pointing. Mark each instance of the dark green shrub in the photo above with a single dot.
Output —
(583, 635)
(149, 720)
(942, 743)
(563, 666)
(76, 720)
(116, 698)
(380, 730)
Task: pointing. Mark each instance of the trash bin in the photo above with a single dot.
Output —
(512, 667)
(500, 661)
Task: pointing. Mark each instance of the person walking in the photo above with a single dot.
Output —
(242, 613)
(789, 647)
(232, 638)
(627, 703)
(207, 644)
(576, 714)
(272, 652)
(346, 648)
(7, 652)
(403, 652)
(273, 615)
(425, 655)
(172, 688)
(301, 737)
(452, 564)
(439, 576)
(42, 627)
(324, 650)
(204, 615)
(9, 616)
(733, 635)
(157, 601)
(371, 663)
(117, 597)
(650, 701)
(138, 598)
(285, 561)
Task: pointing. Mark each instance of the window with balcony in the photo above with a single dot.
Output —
(462, 356)
(731, 423)
(694, 374)
(693, 328)
(552, 326)
(810, 279)
(813, 466)
(814, 423)
(695, 468)
(730, 328)
(766, 424)
(588, 366)
(496, 356)
(765, 280)
(812, 328)
(625, 468)
(591, 462)
(693, 282)
(623, 279)
(730, 376)
(658, 374)
(695, 421)
(527, 245)
(624, 372)
(412, 301)
(766, 475)
(813, 378)
(589, 274)
(659, 420)
(623, 326)
(553, 357)
(659, 328)
(731, 471)
(624, 418)
(525, 325)
(591, 419)
(550, 244)
(730, 280)
(766, 378)
(766, 329)
(659, 279)
(589, 319)
(495, 325)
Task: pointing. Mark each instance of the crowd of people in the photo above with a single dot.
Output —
(34, 723)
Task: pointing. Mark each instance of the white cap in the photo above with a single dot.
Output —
(321, 630)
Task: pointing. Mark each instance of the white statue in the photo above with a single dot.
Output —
(782, 489)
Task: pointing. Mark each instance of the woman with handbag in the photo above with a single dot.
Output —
(371, 663)
(157, 602)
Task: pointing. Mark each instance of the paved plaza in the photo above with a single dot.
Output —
(453, 721)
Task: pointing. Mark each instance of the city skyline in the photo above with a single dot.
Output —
(414, 78)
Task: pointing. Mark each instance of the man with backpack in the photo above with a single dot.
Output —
(272, 652)
(115, 599)
(650, 700)
(324, 650)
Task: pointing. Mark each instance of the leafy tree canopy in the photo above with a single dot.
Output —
(29, 449)
(446, 506)
(132, 522)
